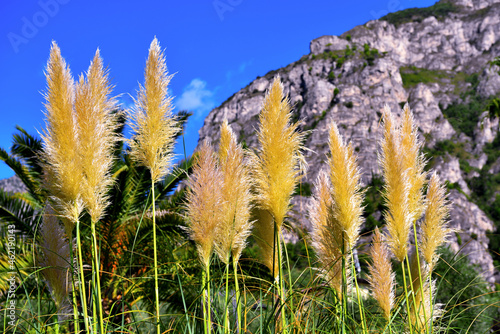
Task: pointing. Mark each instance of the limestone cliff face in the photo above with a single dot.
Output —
(433, 59)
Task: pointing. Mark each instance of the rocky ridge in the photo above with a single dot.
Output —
(435, 60)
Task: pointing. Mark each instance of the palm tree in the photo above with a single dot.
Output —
(123, 234)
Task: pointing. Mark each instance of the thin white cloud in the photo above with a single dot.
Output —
(232, 73)
(196, 98)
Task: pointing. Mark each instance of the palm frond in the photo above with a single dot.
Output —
(31, 180)
(28, 148)
(16, 211)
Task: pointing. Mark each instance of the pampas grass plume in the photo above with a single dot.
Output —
(153, 124)
(397, 187)
(327, 233)
(381, 277)
(413, 161)
(97, 122)
(204, 202)
(434, 229)
(62, 169)
(347, 197)
(277, 165)
(235, 226)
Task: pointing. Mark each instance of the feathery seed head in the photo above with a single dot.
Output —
(279, 162)
(327, 234)
(204, 202)
(381, 278)
(434, 228)
(97, 122)
(397, 188)
(62, 168)
(235, 226)
(413, 161)
(347, 197)
(154, 126)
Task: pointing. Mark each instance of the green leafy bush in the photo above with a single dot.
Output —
(440, 10)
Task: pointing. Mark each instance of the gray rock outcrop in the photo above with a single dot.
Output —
(430, 62)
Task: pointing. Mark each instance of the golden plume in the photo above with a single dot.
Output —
(413, 162)
(327, 234)
(347, 197)
(279, 161)
(97, 122)
(381, 277)
(153, 124)
(396, 190)
(62, 168)
(434, 229)
(204, 202)
(235, 226)
(277, 167)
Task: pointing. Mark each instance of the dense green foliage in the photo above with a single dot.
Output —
(440, 10)
(469, 304)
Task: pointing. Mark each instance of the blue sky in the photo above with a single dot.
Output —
(214, 47)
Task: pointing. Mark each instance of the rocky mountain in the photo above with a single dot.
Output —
(439, 60)
(13, 185)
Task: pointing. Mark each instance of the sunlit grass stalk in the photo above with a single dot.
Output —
(420, 277)
(237, 296)
(406, 296)
(155, 249)
(226, 304)
(281, 283)
(82, 278)
(358, 295)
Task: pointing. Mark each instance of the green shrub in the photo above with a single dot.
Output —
(370, 54)
(440, 11)
(412, 76)
(331, 76)
(470, 305)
